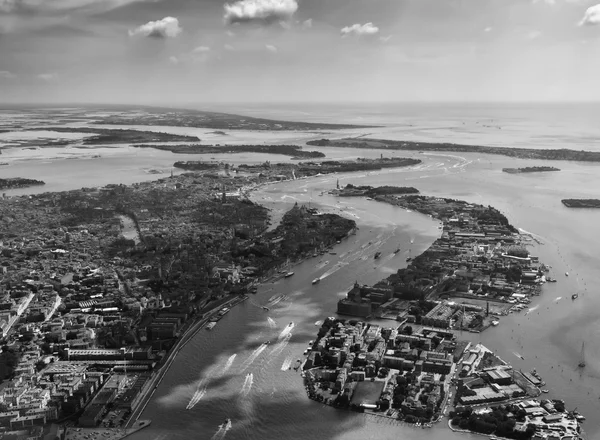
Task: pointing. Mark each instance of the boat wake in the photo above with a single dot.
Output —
(335, 268)
(532, 309)
(199, 394)
(256, 353)
(247, 384)
(228, 365)
(518, 355)
(280, 346)
(222, 431)
(287, 363)
(286, 331)
(272, 323)
(558, 298)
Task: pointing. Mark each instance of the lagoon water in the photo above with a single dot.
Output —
(266, 402)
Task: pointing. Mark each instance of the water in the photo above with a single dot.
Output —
(547, 338)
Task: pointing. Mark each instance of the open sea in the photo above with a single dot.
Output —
(230, 372)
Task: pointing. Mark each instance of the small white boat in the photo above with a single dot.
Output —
(566, 274)
(316, 280)
(289, 274)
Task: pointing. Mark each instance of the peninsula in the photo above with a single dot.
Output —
(581, 203)
(101, 136)
(522, 153)
(369, 191)
(529, 170)
(19, 182)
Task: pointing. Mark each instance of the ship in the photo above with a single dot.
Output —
(316, 280)
(396, 251)
(545, 391)
(211, 325)
(574, 296)
(566, 274)
(265, 308)
(551, 280)
(289, 274)
(408, 259)
(377, 255)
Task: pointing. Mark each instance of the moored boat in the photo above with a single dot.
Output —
(377, 255)
(316, 280)
(289, 274)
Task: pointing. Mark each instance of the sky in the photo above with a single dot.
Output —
(187, 52)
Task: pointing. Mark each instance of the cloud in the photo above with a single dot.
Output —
(48, 77)
(5, 74)
(168, 27)
(271, 48)
(591, 16)
(173, 60)
(201, 49)
(229, 47)
(488, 29)
(532, 35)
(307, 24)
(385, 39)
(60, 6)
(259, 11)
(360, 30)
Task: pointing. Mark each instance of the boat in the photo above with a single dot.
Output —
(377, 255)
(495, 323)
(289, 274)
(316, 280)
(582, 359)
(396, 251)
(566, 274)
(545, 391)
(265, 308)
(225, 424)
(369, 198)
(332, 253)
(408, 259)
(574, 296)
(211, 325)
(551, 280)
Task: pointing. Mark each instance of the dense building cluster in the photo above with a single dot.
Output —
(477, 270)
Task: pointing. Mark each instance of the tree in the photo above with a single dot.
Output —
(40, 365)
(408, 330)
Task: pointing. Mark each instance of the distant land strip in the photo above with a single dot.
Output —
(581, 203)
(100, 136)
(215, 120)
(521, 153)
(288, 150)
(529, 170)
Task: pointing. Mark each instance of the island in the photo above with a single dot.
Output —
(417, 374)
(369, 191)
(291, 171)
(288, 150)
(529, 170)
(19, 182)
(522, 153)
(581, 203)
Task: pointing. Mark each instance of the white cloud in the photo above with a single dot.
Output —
(532, 35)
(48, 77)
(360, 29)
(168, 27)
(230, 34)
(307, 24)
(173, 60)
(261, 11)
(385, 39)
(201, 49)
(229, 47)
(5, 74)
(271, 48)
(591, 16)
(488, 29)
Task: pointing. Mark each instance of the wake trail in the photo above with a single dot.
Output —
(558, 298)
(228, 364)
(222, 431)
(247, 384)
(287, 363)
(256, 353)
(280, 346)
(272, 323)
(286, 331)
